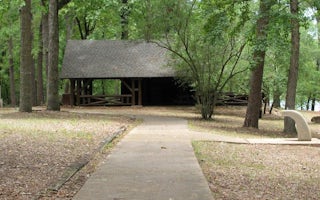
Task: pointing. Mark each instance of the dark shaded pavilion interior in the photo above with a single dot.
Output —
(141, 67)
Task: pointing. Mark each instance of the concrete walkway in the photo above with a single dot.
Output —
(274, 141)
(155, 161)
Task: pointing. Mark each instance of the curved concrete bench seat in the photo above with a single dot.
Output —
(303, 130)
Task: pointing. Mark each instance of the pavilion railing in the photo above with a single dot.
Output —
(105, 100)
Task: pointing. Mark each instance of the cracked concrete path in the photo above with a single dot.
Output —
(155, 161)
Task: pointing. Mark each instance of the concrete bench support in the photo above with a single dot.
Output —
(304, 133)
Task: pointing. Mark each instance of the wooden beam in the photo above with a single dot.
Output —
(126, 84)
(90, 83)
(86, 90)
(78, 91)
(139, 92)
(72, 91)
(133, 101)
(105, 100)
(91, 87)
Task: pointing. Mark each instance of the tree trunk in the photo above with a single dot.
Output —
(318, 60)
(40, 98)
(124, 20)
(148, 25)
(69, 27)
(308, 102)
(45, 38)
(85, 27)
(25, 58)
(289, 124)
(33, 78)
(207, 103)
(318, 26)
(276, 98)
(313, 104)
(254, 102)
(53, 102)
(13, 101)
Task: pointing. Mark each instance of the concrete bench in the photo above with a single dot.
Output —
(303, 130)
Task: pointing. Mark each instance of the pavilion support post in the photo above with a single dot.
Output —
(90, 86)
(139, 92)
(72, 91)
(86, 90)
(78, 91)
(133, 102)
(89, 89)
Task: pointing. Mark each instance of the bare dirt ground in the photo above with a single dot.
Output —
(37, 149)
(229, 121)
(238, 171)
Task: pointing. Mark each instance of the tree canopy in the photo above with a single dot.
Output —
(211, 43)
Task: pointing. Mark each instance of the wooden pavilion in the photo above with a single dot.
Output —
(146, 78)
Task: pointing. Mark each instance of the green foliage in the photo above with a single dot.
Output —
(309, 74)
(278, 54)
(145, 18)
(206, 36)
(106, 87)
(101, 16)
(205, 57)
(9, 27)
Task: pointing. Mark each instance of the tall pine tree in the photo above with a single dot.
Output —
(255, 96)
(289, 124)
(53, 101)
(26, 58)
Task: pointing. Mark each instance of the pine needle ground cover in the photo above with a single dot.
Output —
(243, 171)
(238, 171)
(37, 148)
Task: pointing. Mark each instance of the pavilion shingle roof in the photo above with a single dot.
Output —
(114, 59)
